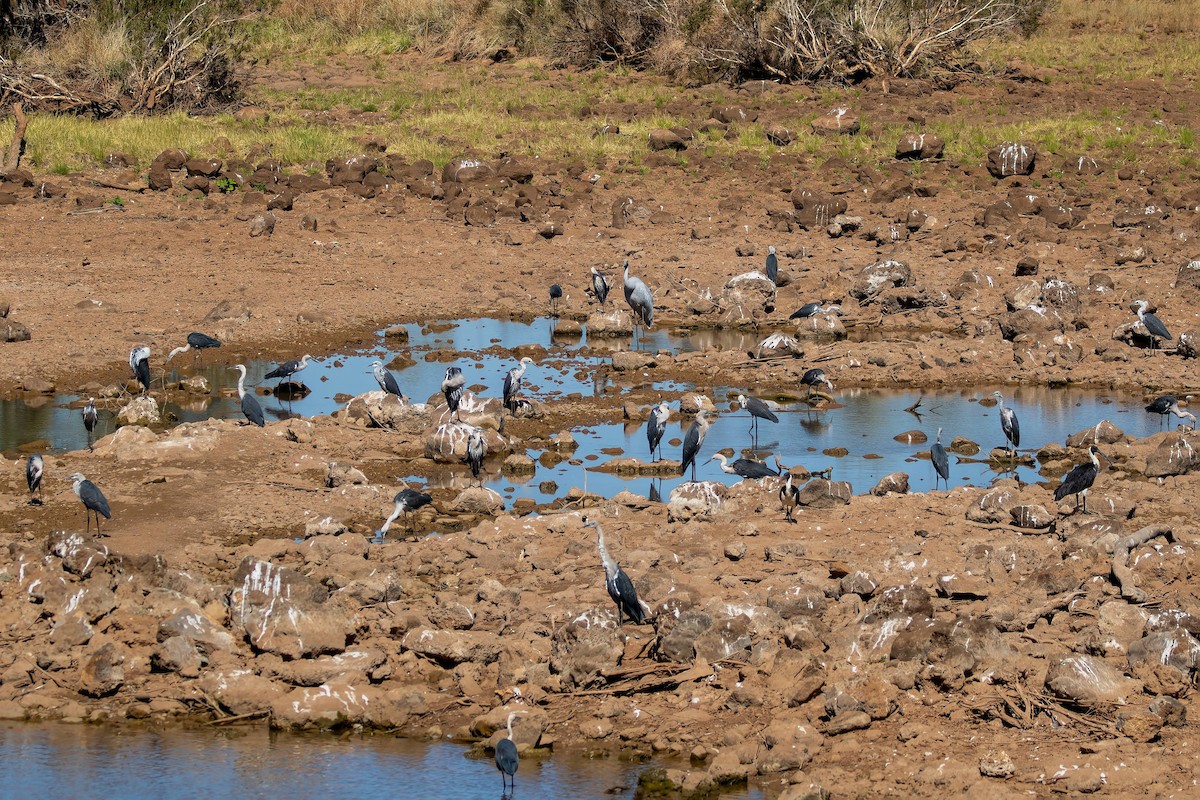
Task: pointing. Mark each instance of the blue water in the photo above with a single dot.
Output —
(86, 762)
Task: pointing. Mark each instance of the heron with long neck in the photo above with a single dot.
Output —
(619, 587)
(692, 441)
(512, 383)
(599, 286)
(507, 759)
(251, 408)
(941, 462)
(1009, 424)
(656, 426)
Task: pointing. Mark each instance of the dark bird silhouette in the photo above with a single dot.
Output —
(556, 294)
(811, 310)
(94, 501)
(599, 286)
(251, 408)
(476, 451)
(758, 410)
(1168, 404)
(287, 370)
(692, 441)
(452, 388)
(196, 341)
(639, 298)
(656, 426)
(386, 380)
(744, 467)
(1080, 479)
(1009, 424)
(941, 462)
(789, 496)
(89, 419)
(407, 501)
(35, 469)
(1154, 325)
(512, 383)
(620, 588)
(139, 363)
(772, 265)
(507, 760)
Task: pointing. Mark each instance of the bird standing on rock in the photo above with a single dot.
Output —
(1009, 424)
(620, 588)
(287, 369)
(452, 388)
(599, 286)
(1080, 479)
(512, 383)
(94, 501)
(139, 363)
(386, 380)
(1154, 325)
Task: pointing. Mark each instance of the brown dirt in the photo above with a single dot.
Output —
(159, 266)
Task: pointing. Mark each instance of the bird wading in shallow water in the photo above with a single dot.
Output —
(1080, 479)
(556, 294)
(744, 467)
(507, 759)
(941, 462)
(89, 419)
(1154, 325)
(1169, 404)
(476, 452)
(758, 410)
(94, 501)
(656, 426)
(814, 378)
(251, 408)
(639, 298)
(35, 470)
(406, 501)
(619, 587)
(692, 442)
(1009, 424)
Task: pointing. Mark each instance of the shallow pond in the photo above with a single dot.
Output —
(864, 425)
(87, 761)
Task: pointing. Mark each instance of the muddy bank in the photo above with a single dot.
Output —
(967, 623)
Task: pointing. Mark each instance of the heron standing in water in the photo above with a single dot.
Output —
(656, 426)
(692, 441)
(251, 408)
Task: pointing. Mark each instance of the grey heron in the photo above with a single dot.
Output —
(1080, 479)
(287, 370)
(139, 363)
(251, 408)
(512, 383)
(656, 426)
(789, 496)
(599, 286)
(507, 759)
(772, 265)
(692, 441)
(639, 298)
(941, 462)
(407, 501)
(89, 419)
(758, 410)
(35, 469)
(620, 588)
(386, 380)
(1167, 405)
(1154, 325)
(1009, 424)
(744, 467)
(452, 388)
(815, 377)
(556, 294)
(476, 451)
(195, 341)
(94, 501)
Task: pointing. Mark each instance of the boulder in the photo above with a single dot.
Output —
(449, 647)
(663, 139)
(1011, 158)
(141, 410)
(585, 647)
(1089, 681)
(696, 500)
(874, 278)
(821, 493)
(920, 146)
(332, 705)
(285, 612)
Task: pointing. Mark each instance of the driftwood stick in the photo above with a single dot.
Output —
(1120, 567)
(17, 147)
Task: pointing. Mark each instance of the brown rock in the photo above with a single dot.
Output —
(663, 139)
(1011, 158)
